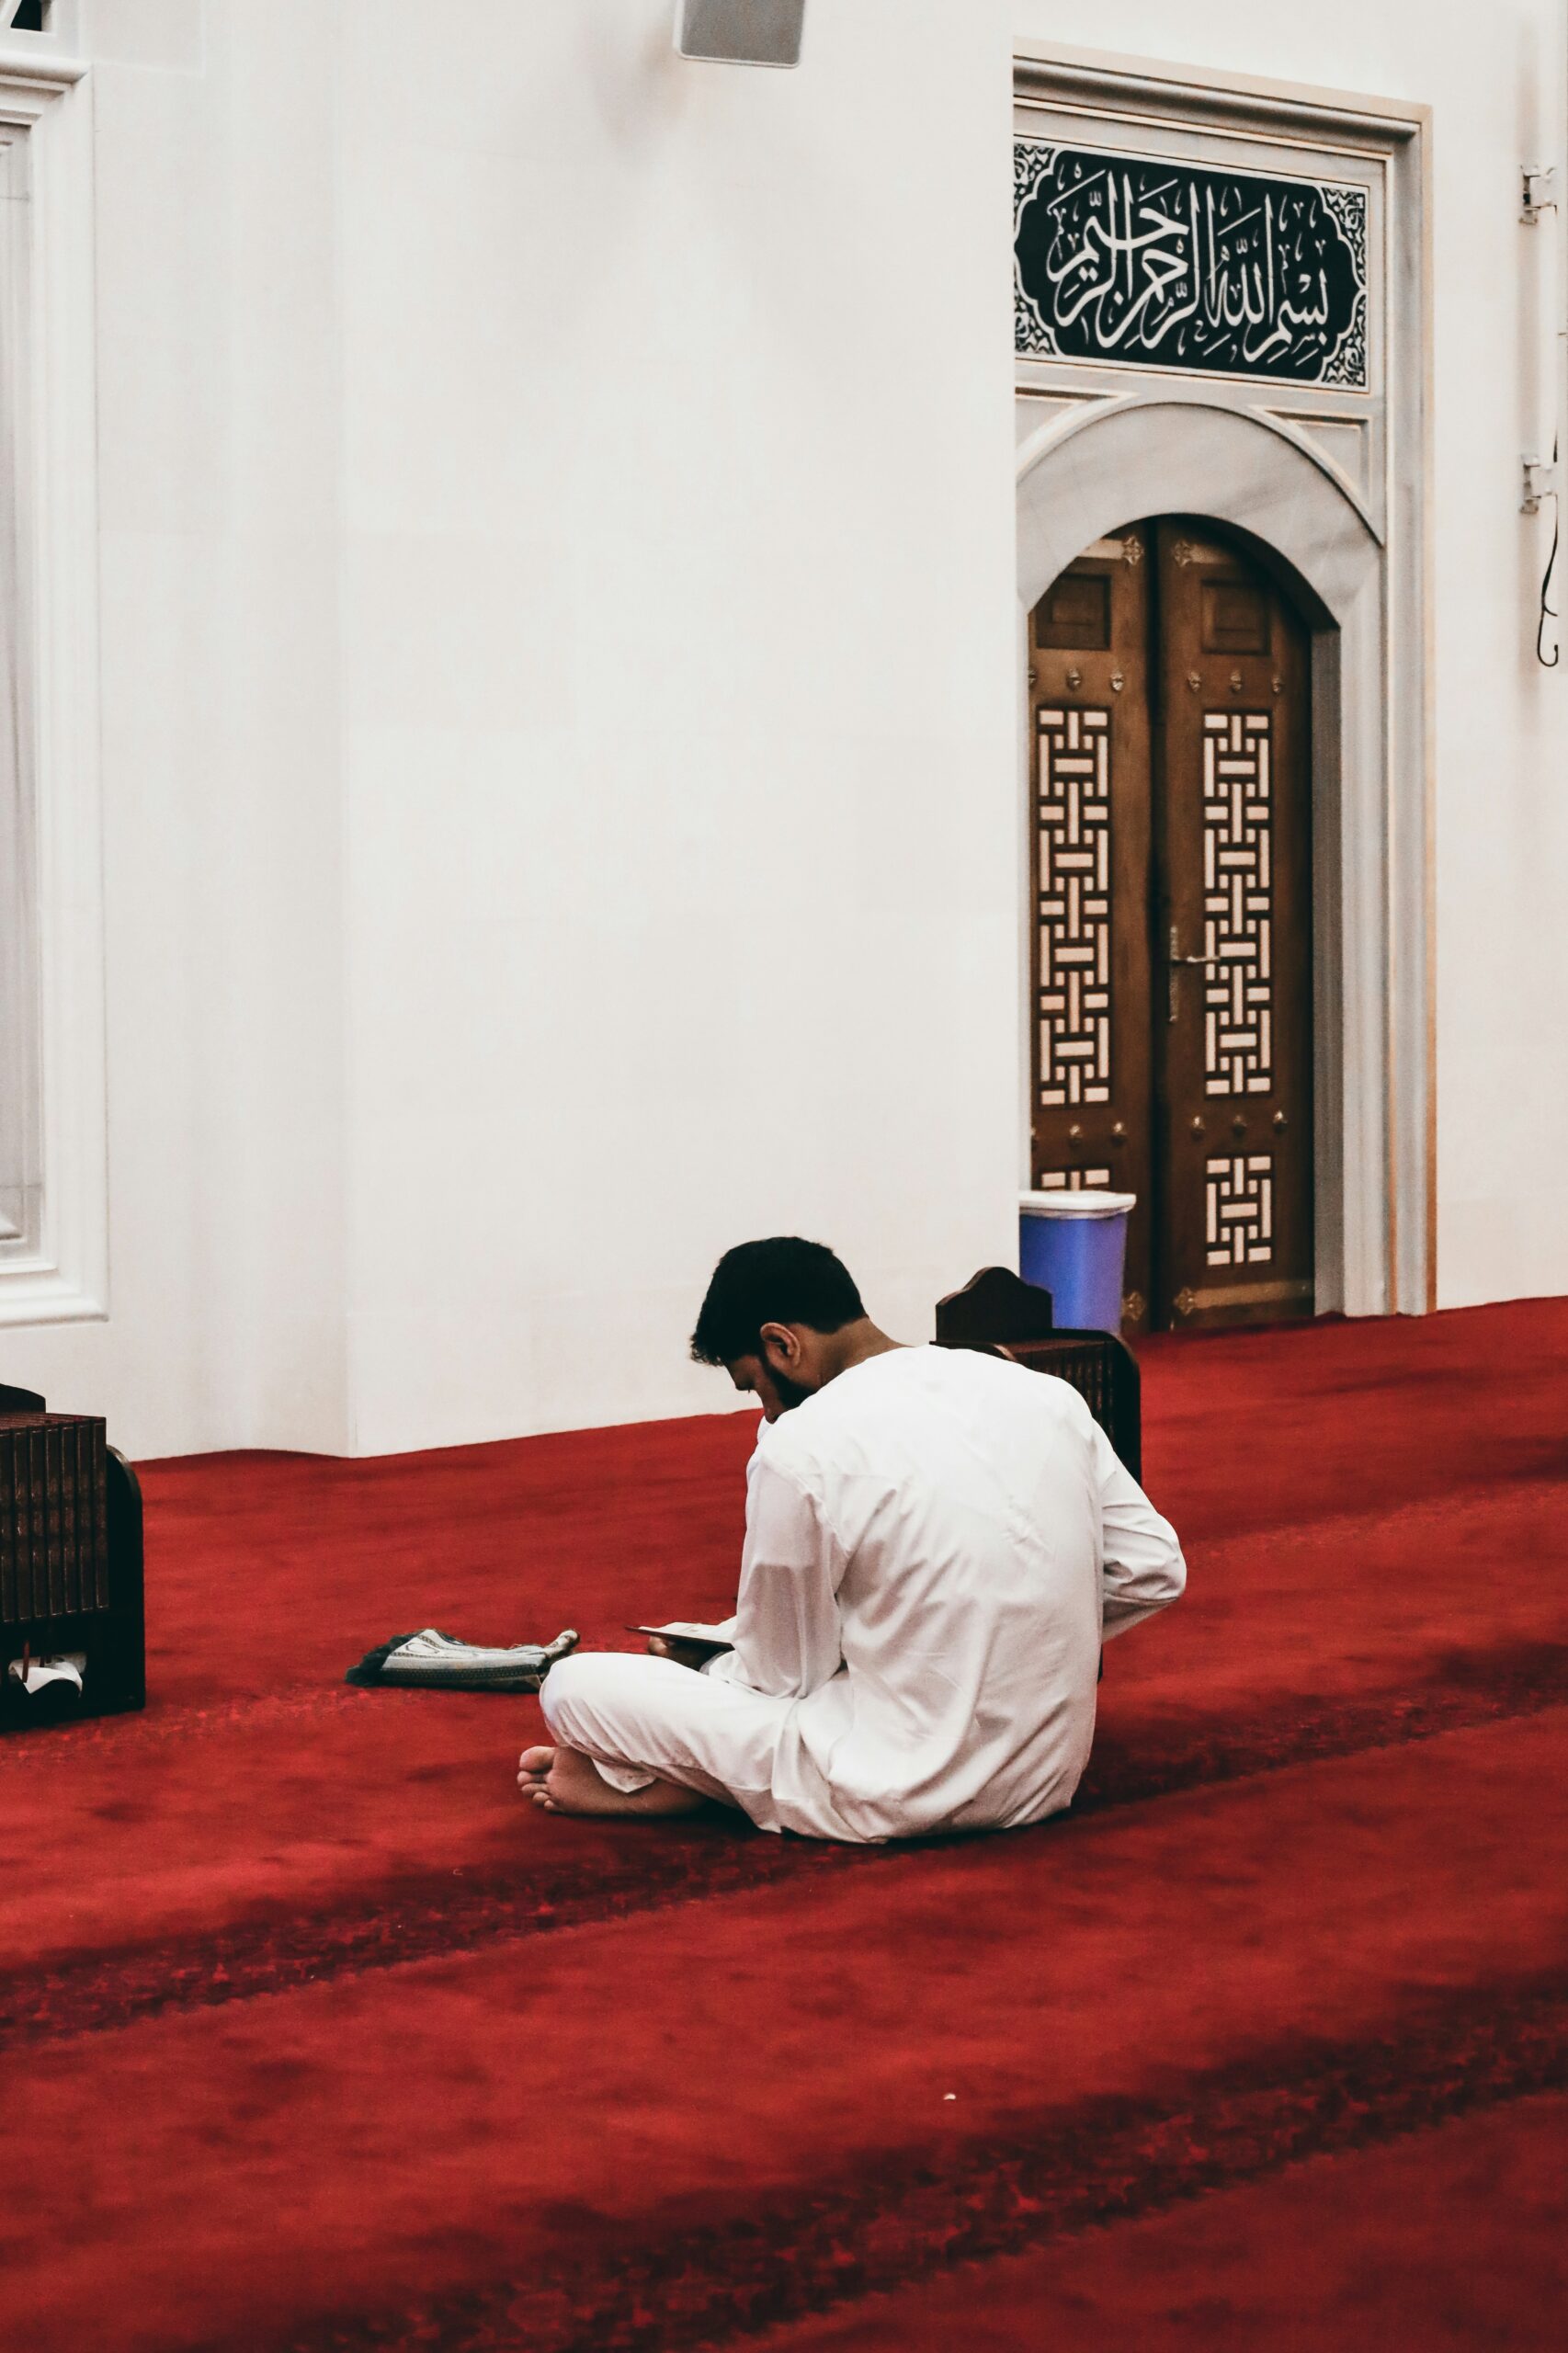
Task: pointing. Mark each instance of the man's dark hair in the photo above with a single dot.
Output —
(784, 1281)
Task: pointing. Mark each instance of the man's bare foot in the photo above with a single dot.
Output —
(562, 1780)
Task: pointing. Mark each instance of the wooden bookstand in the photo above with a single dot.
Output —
(999, 1313)
(70, 1572)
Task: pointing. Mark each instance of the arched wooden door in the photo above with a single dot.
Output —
(1172, 880)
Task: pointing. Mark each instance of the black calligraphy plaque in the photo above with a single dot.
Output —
(1142, 261)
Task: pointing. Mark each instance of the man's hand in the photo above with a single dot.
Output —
(692, 1654)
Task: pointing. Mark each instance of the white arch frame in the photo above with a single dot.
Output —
(1081, 478)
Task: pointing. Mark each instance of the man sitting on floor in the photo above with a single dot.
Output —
(937, 1544)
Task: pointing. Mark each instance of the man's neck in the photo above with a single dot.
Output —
(852, 1346)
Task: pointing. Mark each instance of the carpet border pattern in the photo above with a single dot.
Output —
(913, 2216)
(441, 1917)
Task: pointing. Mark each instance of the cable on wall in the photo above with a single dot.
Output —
(1542, 479)
(1549, 611)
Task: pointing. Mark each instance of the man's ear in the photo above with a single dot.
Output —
(780, 1346)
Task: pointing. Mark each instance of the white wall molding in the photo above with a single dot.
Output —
(51, 57)
(1190, 456)
(1163, 89)
(1057, 430)
(1147, 445)
(54, 1268)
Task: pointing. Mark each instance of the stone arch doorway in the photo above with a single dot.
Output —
(1172, 941)
(1268, 495)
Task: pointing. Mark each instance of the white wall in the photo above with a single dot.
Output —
(559, 635)
(559, 692)
(218, 424)
(679, 676)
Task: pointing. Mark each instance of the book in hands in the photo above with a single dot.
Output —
(688, 1631)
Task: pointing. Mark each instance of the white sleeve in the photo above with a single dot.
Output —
(1142, 1569)
(786, 1627)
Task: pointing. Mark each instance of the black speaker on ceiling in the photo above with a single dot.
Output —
(741, 32)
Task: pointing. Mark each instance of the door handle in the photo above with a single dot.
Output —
(1176, 956)
(1173, 995)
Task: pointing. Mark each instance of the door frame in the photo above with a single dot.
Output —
(1354, 566)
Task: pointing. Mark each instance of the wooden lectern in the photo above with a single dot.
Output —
(71, 1581)
(999, 1313)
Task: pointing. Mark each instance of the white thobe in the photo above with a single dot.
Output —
(938, 1543)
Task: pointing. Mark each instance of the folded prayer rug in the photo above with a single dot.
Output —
(442, 1663)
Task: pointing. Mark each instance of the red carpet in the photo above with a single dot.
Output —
(317, 2038)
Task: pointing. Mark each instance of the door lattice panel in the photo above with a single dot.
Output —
(1170, 984)
(1240, 1210)
(1073, 815)
(1238, 895)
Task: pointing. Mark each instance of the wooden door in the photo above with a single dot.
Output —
(1233, 846)
(1091, 845)
(1171, 957)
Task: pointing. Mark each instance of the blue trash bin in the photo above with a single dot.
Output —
(1074, 1246)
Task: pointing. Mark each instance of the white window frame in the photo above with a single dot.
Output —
(53, 1189)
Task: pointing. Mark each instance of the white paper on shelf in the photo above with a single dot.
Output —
(39, 1671)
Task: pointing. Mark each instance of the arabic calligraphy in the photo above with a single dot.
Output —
(1140, 261)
